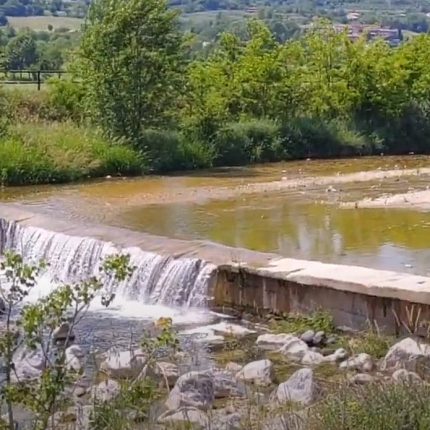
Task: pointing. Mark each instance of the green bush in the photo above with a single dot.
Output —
(170, 150)
(313, 137)
(34, 154)
(248, 142)
(66, 99)
(374, 407)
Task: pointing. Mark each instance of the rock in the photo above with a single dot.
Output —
(80, 387)
(167, 371)
(106, 391)
(225, 385)
(185, 416)
(60, 334)
(319, 338)
(233, 367)
(74, 358)
(406, 354)
(327, 351)
(228, 329)
(193, 389)
(294, 349)
(205, 335)
(346, 329)
(212, 340)
(299, 388)
(312, 358)
(403, 376)
(308, 337)
(123, 364)
(273, 341)
(29, 364)
(258, 372)
(331, 340)
(361, 379)
(339, 355)
(362, 363)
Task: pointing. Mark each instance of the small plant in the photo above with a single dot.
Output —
(294, 323)
(32, 327)
(371, 342)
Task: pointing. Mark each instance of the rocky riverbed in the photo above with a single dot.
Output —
(250, 376)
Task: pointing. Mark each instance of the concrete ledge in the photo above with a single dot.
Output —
(355, 296)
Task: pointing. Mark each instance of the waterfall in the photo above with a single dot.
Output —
(157, 279)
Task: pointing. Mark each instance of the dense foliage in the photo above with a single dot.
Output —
(253, 98)
(35, 50)
(249, 97)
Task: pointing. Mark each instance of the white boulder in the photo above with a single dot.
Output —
(361, 362)
(258, 372)
(406, 354)
(273, 341)
(299, 388)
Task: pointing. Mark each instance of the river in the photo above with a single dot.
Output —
(293, 209)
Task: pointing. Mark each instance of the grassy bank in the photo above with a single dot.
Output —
(61, 152)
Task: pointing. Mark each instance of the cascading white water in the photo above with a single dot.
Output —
(157, 279)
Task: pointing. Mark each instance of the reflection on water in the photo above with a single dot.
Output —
(389, 239)
(294, 223)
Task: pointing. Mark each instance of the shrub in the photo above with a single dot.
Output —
(34, 154)
(371, 342)
(295, 323)
(313, 137)
(248, 142)
(170, 150)
(66, 99)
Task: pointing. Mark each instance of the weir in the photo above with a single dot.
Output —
(157, 279)
(200, 274)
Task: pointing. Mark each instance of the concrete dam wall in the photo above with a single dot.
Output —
(233, 278)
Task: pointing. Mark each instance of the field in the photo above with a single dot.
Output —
(42, 22)
(203, 17)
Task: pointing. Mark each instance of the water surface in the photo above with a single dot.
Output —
(299, 223)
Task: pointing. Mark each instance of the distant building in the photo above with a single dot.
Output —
(352, 16)
(371, 32)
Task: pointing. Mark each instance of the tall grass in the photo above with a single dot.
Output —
(374, 407)
(61, 152)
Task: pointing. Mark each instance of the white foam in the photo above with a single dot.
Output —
(130, 309)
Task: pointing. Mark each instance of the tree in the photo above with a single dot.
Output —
(130, 60)
(3, 19)
(21, 52)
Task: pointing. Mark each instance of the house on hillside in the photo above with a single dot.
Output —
(356, 31)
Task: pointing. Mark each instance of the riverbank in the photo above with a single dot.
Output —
(39, 153)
